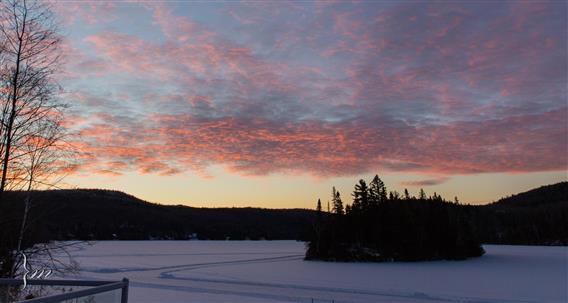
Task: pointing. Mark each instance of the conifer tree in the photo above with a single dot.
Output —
(422, 195)
(337, 203)
(318, 227)
(394, 195)
(409, 231)
(361, 196)
(377, 192)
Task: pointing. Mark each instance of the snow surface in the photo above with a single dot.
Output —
(274, 271)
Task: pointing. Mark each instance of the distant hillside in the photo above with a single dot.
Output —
(104, 214)
(535, 217)
(548, 194)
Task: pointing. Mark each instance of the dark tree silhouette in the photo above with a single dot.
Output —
(530, 218)
(337, 203)
(377, 192)
(406, 194)
(422, 195)
(381, 228)
(360, 197)
(31, 126)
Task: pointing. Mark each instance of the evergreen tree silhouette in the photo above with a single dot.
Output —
(347, 209)
(377, 192)
(402, 228)
(422, 194)
(318, 227)
(394, 195)
(361, 197)
(337, 203)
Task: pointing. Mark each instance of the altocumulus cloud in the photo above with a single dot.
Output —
(324, 89)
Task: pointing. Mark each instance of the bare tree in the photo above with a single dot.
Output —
(31, 56)
(43, 153)
(30, 115)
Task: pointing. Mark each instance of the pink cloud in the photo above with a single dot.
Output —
(87, 11)
(259, 147)
(428, 88)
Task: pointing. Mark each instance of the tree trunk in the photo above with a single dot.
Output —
(12, 113)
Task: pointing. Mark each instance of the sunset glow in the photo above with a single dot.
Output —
(271, 103)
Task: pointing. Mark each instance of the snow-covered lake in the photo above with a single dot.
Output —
(274, 271)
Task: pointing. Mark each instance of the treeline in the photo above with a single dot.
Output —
(535, 217)
(86, 214)
(532, 218)
(392, 227)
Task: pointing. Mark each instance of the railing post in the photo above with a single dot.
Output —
(124, 297)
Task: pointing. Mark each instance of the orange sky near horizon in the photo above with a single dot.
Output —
(288, 191)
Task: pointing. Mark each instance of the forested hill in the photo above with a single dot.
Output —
(104, 214)
(534, 217)
(548, 194)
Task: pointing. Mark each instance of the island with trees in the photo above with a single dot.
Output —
(389, 226)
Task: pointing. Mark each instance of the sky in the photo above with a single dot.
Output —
(270, 104)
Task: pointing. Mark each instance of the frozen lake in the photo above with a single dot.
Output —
(273, 271)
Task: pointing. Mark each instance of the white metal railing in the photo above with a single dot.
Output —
(95, 292)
